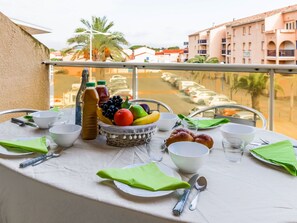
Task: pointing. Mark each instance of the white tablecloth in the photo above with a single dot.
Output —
(67, 189)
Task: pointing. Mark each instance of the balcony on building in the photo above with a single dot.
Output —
(223, 52)
(288, 54)
(202, 41)
(223, 41)
(202, 52)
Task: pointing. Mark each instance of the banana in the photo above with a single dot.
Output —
(102, 118)
(153, 117)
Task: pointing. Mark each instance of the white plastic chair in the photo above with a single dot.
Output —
(251, 122)
(159, 104)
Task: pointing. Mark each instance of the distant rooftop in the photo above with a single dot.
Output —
(31, 28)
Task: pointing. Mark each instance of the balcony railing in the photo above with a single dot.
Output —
(286, 53)
(223, 40)
(271, 53)
(223, 52)
(202, 52)
(202, 41)
(271, 70)
(281, 53)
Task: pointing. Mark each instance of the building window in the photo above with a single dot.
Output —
(233, 59)
(243, 46)
(290, 25)
(250, 46)
(233, 46)
(262, 61)
(262, 45)
(243, 30)
(250, 28)
(262, 28)
(250, 61)
(233, 32)
(243, 60)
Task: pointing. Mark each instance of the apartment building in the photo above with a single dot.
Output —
(266, 38)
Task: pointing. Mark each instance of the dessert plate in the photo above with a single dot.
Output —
(146, 193)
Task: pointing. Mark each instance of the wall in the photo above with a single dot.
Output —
(24, 80)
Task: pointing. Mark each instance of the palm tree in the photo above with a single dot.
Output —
(201, 59)
(255, 84)
(103, 46)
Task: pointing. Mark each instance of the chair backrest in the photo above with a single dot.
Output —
(246, 121)
(15, 111)
(150, 102)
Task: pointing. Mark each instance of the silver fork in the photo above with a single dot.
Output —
(266, 142)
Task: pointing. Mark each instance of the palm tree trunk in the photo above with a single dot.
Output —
(255, 101)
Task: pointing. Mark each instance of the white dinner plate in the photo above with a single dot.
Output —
(16, 152)
(146, 193)
(263, 160)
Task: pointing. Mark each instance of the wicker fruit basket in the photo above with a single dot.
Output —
(127, 136)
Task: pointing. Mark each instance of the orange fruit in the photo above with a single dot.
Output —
(123, 117)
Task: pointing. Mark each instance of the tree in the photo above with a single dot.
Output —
(254, 84)
(203, 59)
(100, 43)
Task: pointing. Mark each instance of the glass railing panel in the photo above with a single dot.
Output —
(67, 81)
(153, 84)
(285, 109)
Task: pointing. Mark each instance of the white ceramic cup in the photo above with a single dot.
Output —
(189, 157)
(166, 121)
(45, 119)
(65, 135)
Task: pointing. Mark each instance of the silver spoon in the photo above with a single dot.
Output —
(200, 185)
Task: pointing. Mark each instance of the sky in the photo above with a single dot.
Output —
(155, 23)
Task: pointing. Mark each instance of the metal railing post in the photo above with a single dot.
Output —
(271, 99)
(135, 83)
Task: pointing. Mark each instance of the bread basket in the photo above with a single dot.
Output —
(127, 136)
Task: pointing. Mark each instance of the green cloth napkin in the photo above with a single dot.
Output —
(37, 145)
(148, 177)
(204, 123)
(281, 153)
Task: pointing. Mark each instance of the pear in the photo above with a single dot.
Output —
(137, 111)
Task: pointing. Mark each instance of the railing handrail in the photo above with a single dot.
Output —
(252, 68)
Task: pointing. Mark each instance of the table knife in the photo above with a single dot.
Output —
(34, 160)
(179, 207)
(22, 123)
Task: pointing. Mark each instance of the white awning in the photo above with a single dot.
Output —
(31, 28)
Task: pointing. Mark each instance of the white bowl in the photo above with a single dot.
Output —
(44, 119)
(188, 156)
(244, 132)
(166, 121)
(65, 135)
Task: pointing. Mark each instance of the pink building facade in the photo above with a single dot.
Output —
(266, 38)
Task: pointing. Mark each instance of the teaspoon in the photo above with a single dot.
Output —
(200, 185)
